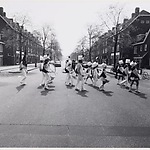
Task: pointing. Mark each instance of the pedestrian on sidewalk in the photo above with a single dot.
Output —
(103, 77)
(23, 69)
(80, 74)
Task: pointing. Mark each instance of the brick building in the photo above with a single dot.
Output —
(133, 40)
(15, 42)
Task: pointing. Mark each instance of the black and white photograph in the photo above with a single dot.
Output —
(75, 74)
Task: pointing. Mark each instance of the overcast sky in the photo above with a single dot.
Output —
(69, 18)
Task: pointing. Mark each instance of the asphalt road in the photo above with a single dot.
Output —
(63, 117)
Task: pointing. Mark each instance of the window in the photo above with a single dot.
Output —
(142, 21)
(147, 21)
(145, 47)
(119, 38)
(118, 48)
(0, 36)
(112, 49)
(135, 50)
(105, 50)
(141, 48)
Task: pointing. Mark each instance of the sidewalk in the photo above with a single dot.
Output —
(15, 68)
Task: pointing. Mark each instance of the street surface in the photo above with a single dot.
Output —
(62, 117)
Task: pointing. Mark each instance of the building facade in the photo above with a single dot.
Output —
(132, 40)
(15, 42)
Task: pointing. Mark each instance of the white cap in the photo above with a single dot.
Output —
(89, 63)
(127, 61)
(41, 58)
(94, 64)
(45, 57)
(120, 62)
(80, 57)
(52, 61)
(103, 65)
(133, 64)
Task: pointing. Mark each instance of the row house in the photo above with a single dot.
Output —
(133, 40)
(15, 42)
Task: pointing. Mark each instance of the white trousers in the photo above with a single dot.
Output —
(80, 79)
(24, 74)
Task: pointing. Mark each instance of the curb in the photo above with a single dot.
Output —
(20, 71)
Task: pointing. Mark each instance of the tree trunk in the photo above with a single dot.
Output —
(115, 48)
(20, 47)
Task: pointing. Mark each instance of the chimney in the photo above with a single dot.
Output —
(11, 20)
(1, 11)
(133, 15)
(125, 20)
(137, 10)
(4, 14)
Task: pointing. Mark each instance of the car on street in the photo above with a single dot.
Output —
(57, 63)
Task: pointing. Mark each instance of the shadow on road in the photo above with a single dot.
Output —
(82, 93)
(40, 87)
(70, 87)
(45, 92)
(20, 87)
(141, 95)
(107, 93)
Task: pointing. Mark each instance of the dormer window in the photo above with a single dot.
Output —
(145, 47)
(0, 36)
(147, 21)
(141, 48)
(135, 50)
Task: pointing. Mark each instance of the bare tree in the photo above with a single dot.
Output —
(94, 31)
(46, 31)
(49, 42)
(113, 18)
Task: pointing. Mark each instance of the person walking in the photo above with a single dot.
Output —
(41, 70)
(103, 77)
(46, 71)
(80, 75)
(69, 78)
(126, 73)
(120, 71)
(95, 73)
(134, 76)
(89, 72)
(23, 69)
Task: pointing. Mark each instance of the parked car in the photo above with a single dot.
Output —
(58, 63)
